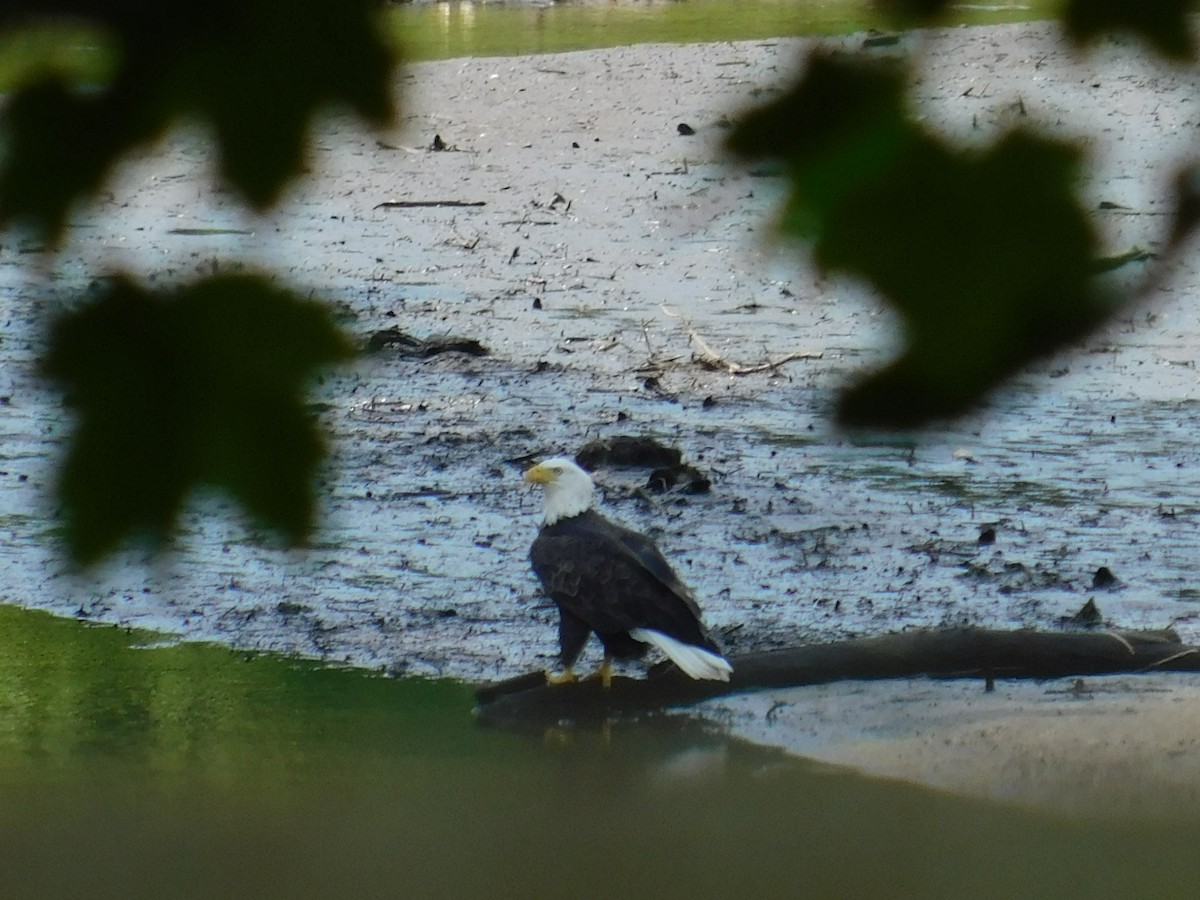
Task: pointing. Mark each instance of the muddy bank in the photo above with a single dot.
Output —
(570, 228)
(1118, 749)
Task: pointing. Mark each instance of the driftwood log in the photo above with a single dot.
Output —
(528, 701)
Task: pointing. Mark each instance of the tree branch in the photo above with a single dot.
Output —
(528, 702)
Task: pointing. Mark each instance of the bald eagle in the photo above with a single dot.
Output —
(612, 581)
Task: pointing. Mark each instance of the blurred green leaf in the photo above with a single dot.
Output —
(256, 70)
(844, 123)
(201, 387)
(1187, 203)
(60, 144)
(1164, 24)
(987, 255)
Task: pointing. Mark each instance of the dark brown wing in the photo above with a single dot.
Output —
(614, 579)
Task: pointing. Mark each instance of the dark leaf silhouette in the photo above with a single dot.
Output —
(255, 70)
(202, 387)
(989, 258)
(1187, 199)
(843, 124)
(1164, 24)
(987, 255)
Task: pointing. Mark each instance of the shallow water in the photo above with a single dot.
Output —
(444, 30)
(131, 768)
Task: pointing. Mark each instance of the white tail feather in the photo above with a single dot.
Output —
(695, 661)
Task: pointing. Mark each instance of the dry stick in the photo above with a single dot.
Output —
(654, 364)
(707, 356)
(415, 204)
(646, 338)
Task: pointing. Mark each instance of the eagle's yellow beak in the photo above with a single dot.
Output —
(539, 474)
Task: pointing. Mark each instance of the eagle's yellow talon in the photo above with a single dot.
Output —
(566, 676)
(604, 673)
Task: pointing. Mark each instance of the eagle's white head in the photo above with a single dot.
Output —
(568, 488)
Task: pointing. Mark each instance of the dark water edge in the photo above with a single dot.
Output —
(447, 30)
(130, 768)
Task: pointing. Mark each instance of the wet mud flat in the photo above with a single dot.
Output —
(569, 227)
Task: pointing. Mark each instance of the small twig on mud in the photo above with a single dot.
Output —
(655, 363)
(646, 338)
(708, 357)
(415, 204)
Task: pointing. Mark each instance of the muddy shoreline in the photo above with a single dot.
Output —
(604, 235)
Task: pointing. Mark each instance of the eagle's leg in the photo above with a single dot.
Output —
(573, 633)
(604, 672)
(566, 676)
